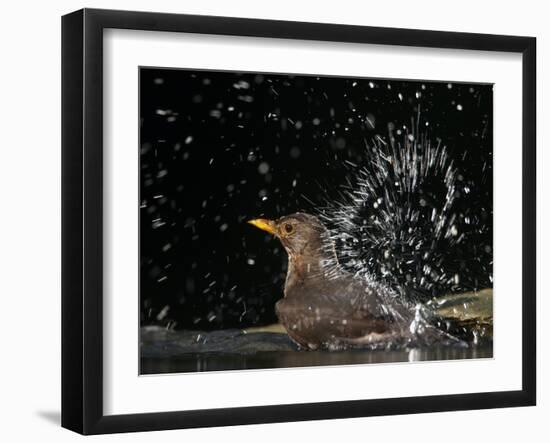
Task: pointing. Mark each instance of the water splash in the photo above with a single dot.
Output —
(397, 220)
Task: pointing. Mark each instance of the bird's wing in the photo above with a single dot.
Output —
(332, 318)
(372, 301)
(343, 307)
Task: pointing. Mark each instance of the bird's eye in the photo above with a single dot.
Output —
(289, 228)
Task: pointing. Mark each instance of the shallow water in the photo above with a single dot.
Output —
(164, 351)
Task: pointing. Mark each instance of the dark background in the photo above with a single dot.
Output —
(220, 148)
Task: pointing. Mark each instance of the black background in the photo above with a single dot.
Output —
(220, 148)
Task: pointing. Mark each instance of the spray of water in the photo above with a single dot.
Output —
(396, 220)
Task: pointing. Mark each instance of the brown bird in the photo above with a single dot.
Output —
(324, 306)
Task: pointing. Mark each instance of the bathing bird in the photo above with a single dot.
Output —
(324, 306)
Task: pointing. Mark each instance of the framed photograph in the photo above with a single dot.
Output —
(269, 221)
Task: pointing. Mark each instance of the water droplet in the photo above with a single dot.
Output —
(263, 168)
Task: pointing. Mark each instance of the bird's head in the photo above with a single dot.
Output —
(301, 234)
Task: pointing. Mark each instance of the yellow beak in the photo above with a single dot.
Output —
(264, 225)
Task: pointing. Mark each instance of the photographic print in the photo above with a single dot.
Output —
(249, 204)
(291, 220)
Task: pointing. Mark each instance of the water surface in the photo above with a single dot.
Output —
(165, 352)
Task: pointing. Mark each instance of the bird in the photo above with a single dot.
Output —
(327, 307)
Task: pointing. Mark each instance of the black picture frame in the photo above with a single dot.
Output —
(82, 218)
